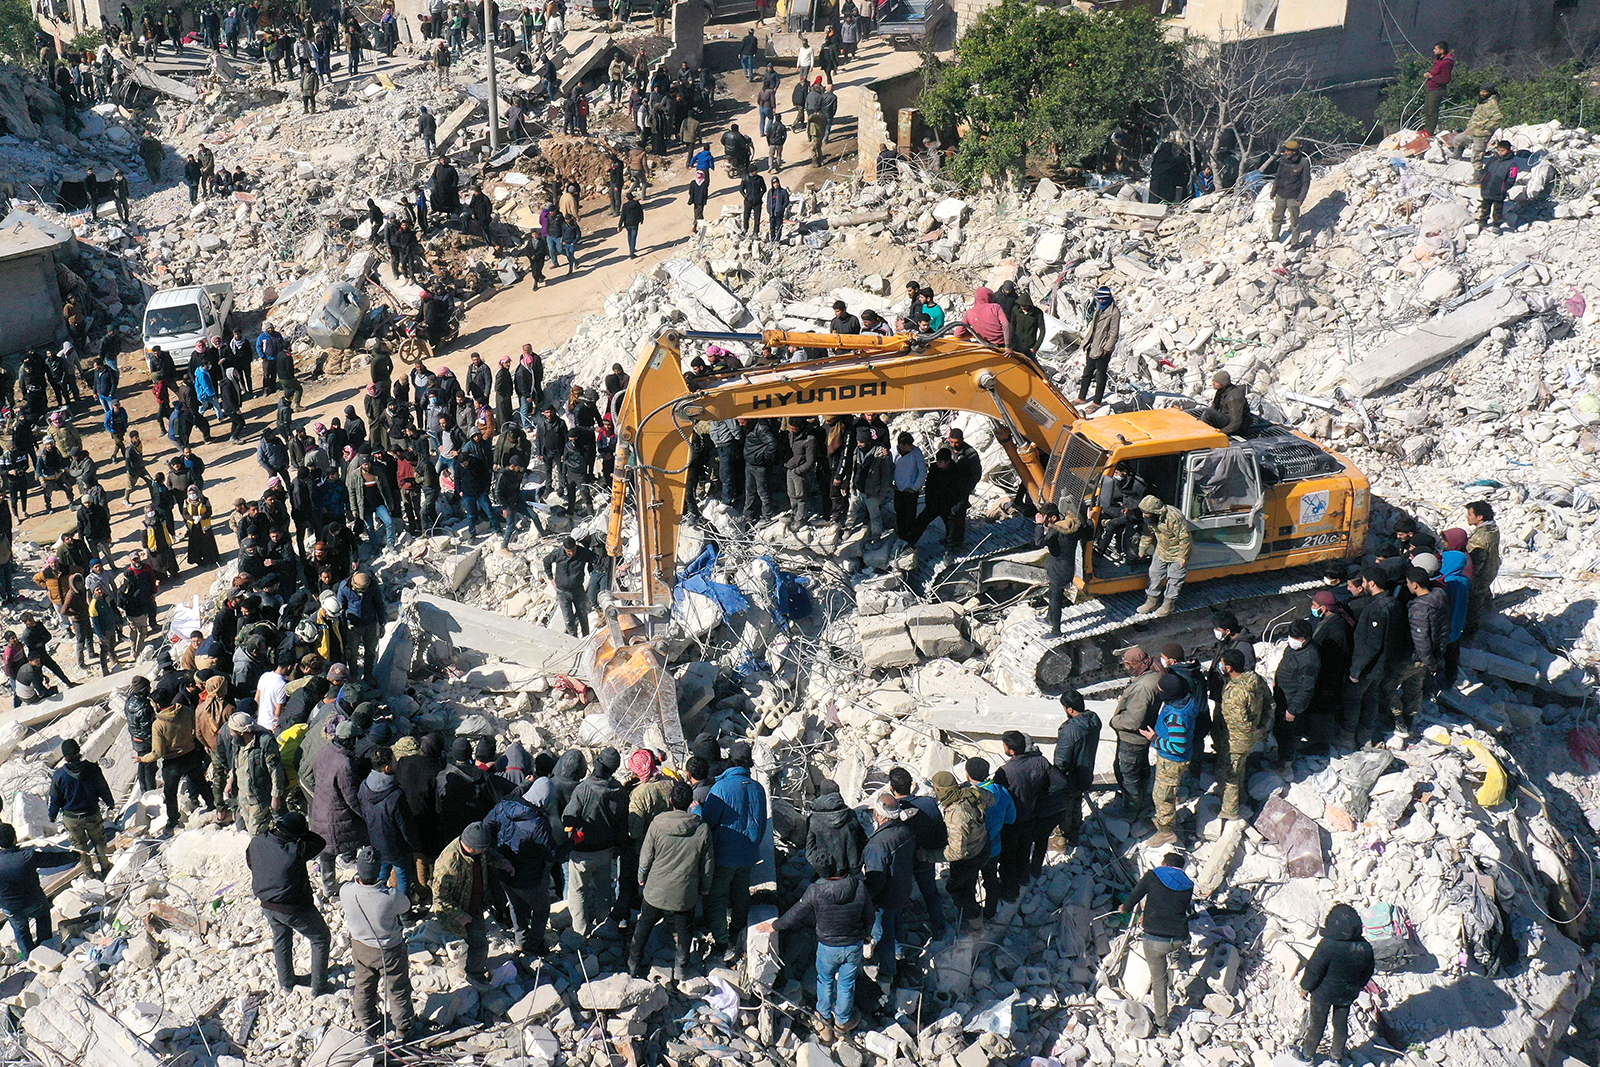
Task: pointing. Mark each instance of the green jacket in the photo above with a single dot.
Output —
(453, 875)
(1246, 704)
(1168, 537)
(1486, 118)
(648, 800)
(1483, 546)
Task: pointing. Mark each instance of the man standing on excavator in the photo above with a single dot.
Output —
(1168, 542)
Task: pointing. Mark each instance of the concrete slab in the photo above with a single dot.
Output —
(464, 115)
(1136, 207)
(496, 635)
(93, 691)
(1437, 339)
(586, 51)
(690, 280)
(68, 1029)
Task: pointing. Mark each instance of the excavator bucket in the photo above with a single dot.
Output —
(637, 693)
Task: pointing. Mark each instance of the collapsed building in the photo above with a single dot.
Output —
(1449, 363)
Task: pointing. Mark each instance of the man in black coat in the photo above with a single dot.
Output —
(1076, 744)
(1371, 651)
(760, 461)
(391, 826)
(20, 893)
(280, 881)
(1330, 632)
(1026, 775)
(887, 863)
(568, 567)
(1294, 687)
(1339, 968)
(1167, 893)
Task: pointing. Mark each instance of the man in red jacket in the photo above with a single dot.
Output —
(1434, 85)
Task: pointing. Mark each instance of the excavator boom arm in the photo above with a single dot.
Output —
(875, 374)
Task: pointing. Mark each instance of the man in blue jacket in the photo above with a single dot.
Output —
(364, 613)
(999, 815)
(523, 836)
(21, 895)
(1173, 741)
(736, 811)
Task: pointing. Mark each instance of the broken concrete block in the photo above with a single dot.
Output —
(935, 629)
(812, 1054)
(1049, 248)
(883, 1046)
(1421, 348)
(1137, 269)
(536, 1005)
(885, 642)
(949, 211)
(974, 1055)
(617, 992)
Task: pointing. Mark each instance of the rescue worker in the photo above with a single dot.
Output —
(1168, 542)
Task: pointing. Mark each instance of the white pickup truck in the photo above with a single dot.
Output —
(176, 319)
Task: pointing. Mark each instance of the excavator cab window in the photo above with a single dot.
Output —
(1223, 502)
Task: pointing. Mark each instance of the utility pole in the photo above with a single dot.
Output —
(490, 40)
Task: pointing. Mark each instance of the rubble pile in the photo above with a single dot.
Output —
(1448, 362)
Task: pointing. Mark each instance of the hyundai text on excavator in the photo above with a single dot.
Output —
(1265, 501)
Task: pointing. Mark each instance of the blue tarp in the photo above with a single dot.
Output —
(696, 578)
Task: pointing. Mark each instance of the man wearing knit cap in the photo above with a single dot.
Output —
(596, 822)
(77, 790)
(461, 886)
(462, 790)
(1168, 543)
(1230, 405)
(373, 912)
(279, 880)
(251, 774)
(736, 811)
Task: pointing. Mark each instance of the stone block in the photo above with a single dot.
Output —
(883, 1046)
(618, 992)
(885, 642)
(538, 1004)
(812, 1054)
(936, 631)
(974, 1055)
(1049, 248)
(949, 211)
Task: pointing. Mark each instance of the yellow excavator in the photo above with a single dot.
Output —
(1265, 501)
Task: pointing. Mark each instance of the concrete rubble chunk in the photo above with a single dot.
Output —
(1437, 339)
(936, 630)
(68, 1030)
(619, 992)
(885, 642)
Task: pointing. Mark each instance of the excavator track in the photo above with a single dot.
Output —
(1094, 630)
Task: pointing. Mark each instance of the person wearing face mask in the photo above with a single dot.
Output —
(1294, 687)
(1229, 634)
(1331, 626)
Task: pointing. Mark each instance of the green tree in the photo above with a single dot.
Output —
(1526, 96)
(1029, 80)
(16, 31)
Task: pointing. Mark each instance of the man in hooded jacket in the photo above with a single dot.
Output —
(833, 832)
(675, 872)
(595, 820)
(522, 834)
(1339, 969)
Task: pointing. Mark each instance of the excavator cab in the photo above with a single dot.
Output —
(1268, 500)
